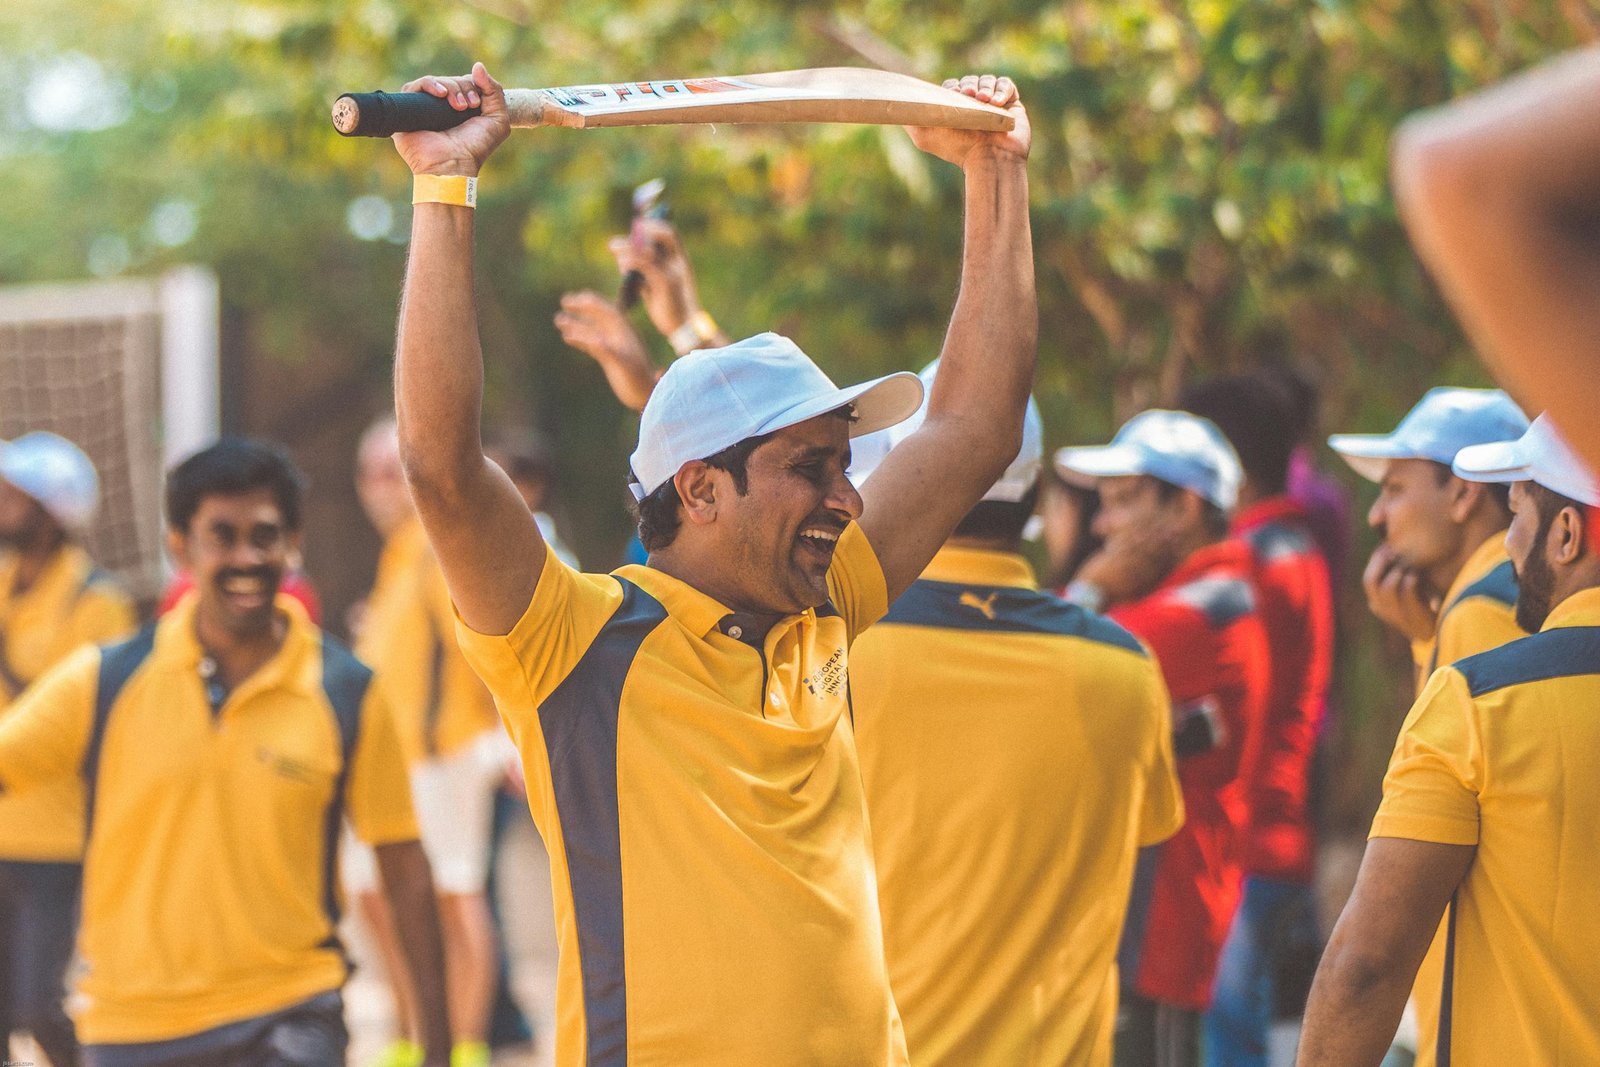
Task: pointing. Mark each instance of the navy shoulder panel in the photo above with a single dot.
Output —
(344, 680)
(1273, 541)
(1499, 584)
(1221, 599)
(1003, 609)
(1565, 652)
(118, 663)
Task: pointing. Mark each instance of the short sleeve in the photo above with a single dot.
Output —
(378, 790)
(1430, 792)
(525, 666)
(44, 733)
(856, 585)
(1161, 814)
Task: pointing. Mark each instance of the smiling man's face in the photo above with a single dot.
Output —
(237, 548)
(780, 535)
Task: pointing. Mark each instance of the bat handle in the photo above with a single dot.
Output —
(381, 114)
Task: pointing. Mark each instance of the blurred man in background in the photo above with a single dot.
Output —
(1440, 576)
(221, 749)
(1274, 941)
(53, 599)
(1489, 814)
(1174, 577)
(1017, 754)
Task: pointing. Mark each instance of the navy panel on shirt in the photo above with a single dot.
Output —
(1564, 652)
(1222, 600)
(1002, 609)
(580, 731)
(1271, 542)
(1499, 584)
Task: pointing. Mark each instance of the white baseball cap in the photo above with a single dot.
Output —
(1177, 447)
(56, 473)
(1540, 455)
(1014, 484)
(714, 398)
(1444, 421)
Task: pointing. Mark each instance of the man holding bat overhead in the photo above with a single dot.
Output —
(684, 724)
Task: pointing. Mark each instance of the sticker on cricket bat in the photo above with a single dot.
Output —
(824, 94)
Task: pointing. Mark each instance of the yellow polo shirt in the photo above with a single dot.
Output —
(1502, 751)
(409, 638)
(1479, 613)
(697, 787)
(209, 891)
(72, 603)
(1017, 752)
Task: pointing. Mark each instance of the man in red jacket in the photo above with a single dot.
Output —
(1175, 578)
(1271, 951)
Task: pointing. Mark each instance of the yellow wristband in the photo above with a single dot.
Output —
(457, 189)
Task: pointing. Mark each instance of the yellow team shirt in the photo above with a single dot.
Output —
(697, 787)
(72, 603)
(1502, 751)
(409, 638)
(210, 893)
(1017, 752)
(1478, 613)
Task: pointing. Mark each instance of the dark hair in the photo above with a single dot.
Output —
(998, 520)
(1212, 517)
(232, 466)
(1499, 493)
(1257, 416)
(658, 514)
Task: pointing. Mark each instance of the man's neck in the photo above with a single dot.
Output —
(239, 655)
(709, 579)
(1574, 580)
(1474, 533)
(1012, 545)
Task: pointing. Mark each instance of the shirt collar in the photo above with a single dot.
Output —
(980, 566)
(1580, 609)
(698, 612)
(1227, 553)
(1272, 509)
(177, 642)
(66, 568)
(1483, 559)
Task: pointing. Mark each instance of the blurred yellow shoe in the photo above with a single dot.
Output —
(469, 1054)
(398, 1053)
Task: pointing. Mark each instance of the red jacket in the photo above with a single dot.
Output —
(1202, 624)
(1297, 610)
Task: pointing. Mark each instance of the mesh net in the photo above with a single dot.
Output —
(85, 362)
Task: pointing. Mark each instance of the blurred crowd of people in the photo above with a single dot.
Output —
(1087, 800)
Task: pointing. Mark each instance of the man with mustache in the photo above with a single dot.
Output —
(52, 600)
(1174, 576)
(684, 725)
(220, 750)
(1441, 576)
(1489, 813)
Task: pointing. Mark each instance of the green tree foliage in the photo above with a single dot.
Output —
(1209, 189)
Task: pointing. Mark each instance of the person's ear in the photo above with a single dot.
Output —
(697, 489)
(1565, 542)
(178, 548)
(1464, 497)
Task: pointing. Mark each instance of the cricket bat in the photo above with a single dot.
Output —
(824, 94)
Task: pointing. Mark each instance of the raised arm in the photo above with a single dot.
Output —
(974, 422)
(597, 327)
(486, 540)
(1501, 193)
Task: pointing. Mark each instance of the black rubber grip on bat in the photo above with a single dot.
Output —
(381, 114)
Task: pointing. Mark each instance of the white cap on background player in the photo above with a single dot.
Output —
(1179, 448)
(1019, 478)
(714, 398)
(1538, 456)
(1444, 421)
(56, 473)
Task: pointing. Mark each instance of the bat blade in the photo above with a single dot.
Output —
(824, 94)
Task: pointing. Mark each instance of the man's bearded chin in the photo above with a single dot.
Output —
(1536, 586)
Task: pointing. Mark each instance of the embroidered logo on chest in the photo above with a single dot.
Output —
(828, 679)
